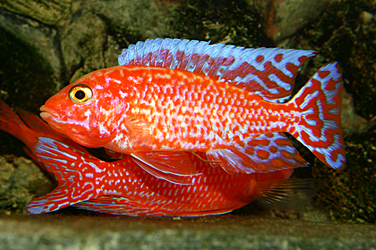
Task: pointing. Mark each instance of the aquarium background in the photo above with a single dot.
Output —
(46, 45)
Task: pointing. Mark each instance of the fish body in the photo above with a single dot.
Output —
(122, 187)
(173, 96)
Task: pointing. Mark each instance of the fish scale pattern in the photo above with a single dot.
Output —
(267, 72)
(163, 105)
(174, 110)
(123, 188)
(172, 96)
(189, 111)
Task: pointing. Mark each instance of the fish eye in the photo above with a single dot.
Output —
(80, 94)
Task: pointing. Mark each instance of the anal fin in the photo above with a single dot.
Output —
(265, 153)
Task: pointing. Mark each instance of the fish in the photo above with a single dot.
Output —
(168, 97)
(123, 188)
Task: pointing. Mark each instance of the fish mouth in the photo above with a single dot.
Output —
(48, 114)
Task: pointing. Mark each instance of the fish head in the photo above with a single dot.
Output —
(85, 110)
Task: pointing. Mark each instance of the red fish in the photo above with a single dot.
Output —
(172, 96)
(122, 187)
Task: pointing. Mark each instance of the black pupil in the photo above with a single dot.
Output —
(79, 95)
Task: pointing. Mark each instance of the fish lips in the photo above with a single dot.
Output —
(54, 121)
(50, 116)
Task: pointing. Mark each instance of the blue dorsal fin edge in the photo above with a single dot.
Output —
(267, 72)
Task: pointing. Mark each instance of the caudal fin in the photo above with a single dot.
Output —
(319, 103)
(77, 174)
(26, 126)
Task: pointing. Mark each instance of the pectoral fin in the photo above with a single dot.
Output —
(177, 179)
(177, 163)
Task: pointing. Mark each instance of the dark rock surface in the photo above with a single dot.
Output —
(284, 18)
(220, 232)
(21, 180)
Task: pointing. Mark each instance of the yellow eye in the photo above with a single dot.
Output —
(80, 94)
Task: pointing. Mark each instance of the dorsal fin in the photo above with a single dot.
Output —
(268, 72)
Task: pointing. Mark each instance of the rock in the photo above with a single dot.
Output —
(366, 17)
(95, 34)
(283, 18)
(351, 122)
(20, 181)
(45, 11)
(36, 37)
(75, 37)
(82, 41)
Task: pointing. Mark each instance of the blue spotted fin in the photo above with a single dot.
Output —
(259, 155)
(77, 178)
(320, 103)
(267, 72)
